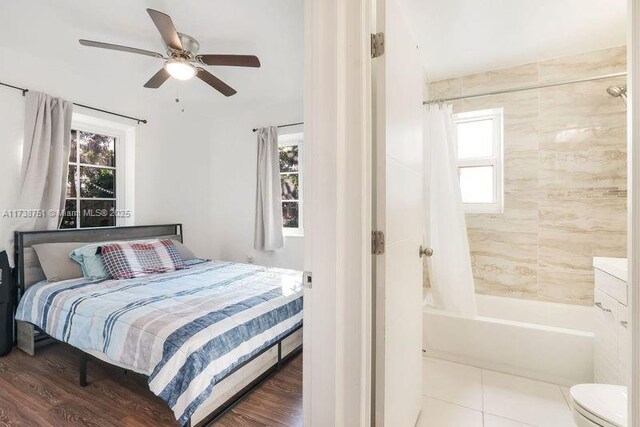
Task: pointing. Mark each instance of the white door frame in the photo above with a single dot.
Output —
(337, 116)
(337, 312)
(633, 247)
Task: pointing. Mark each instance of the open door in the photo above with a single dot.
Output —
(397, 99)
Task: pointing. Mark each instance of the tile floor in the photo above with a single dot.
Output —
(456, 395)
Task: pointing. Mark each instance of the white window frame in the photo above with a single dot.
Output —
(496, 160)
(289, 140)
(125, 136)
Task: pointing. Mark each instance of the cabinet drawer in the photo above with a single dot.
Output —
(605, 351)
(611, 285)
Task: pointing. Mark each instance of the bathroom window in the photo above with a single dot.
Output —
(478, 137)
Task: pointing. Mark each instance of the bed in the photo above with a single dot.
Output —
(204, 336)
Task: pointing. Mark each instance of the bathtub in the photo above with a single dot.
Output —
(540, 340)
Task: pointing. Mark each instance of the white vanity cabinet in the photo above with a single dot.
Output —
(605, 344)
(612, 339)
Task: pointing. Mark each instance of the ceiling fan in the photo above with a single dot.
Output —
(182, 61)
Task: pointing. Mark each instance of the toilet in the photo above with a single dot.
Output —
(599, 405)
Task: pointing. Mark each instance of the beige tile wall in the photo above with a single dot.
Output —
(564, 177)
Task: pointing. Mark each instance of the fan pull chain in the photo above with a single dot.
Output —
(178, 99)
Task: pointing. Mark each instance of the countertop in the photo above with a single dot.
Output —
(614, 266)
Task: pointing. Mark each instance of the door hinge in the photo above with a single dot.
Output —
(377, 242)
(307, 280)
(377, 45)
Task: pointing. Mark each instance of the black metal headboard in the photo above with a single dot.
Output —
(28, 269)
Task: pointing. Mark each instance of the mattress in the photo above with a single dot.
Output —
(186, 330)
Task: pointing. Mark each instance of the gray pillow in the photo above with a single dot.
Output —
(55, 261)
(184, 252)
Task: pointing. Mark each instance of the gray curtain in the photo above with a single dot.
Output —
(268, 230)
(45, 164)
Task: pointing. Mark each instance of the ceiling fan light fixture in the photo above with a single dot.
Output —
(183, 61)
(181, 70)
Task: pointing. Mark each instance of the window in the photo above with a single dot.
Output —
(478, 137)
(291, 154)
(95, 186)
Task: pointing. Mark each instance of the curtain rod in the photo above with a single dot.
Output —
(284, 126)
(24, 92)
(520, 89)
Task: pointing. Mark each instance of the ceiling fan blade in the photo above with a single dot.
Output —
(215, 82)
(167, 29)
(158, 78)
(121, 48)
(231, 60)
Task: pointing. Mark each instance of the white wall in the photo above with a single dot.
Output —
(183, 168)
(183, 173)
(163, 193)
(172, 176)
(233, 186)
(11, 134)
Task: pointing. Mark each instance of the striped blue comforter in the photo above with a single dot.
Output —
(186, 330)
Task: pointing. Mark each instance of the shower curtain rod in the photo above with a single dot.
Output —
(24, 92)
(520, 89)
(284, 126)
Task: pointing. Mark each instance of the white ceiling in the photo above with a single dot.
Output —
(459, 37)
(39, 47)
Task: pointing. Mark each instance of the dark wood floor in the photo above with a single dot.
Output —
(44, 391)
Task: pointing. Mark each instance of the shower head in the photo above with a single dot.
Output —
(617, 91)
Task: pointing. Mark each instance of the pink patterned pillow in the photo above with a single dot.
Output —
(127, 260)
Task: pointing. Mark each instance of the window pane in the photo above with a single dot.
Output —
(73, 154)
(71, 182)
(290, 214)
(289, 184)
(475, 139)
(476, 184)
(289, 159)
(70, 214)
(96, 149)
(97, 213)
(97, 182)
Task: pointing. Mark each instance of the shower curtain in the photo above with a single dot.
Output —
(449, 267)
